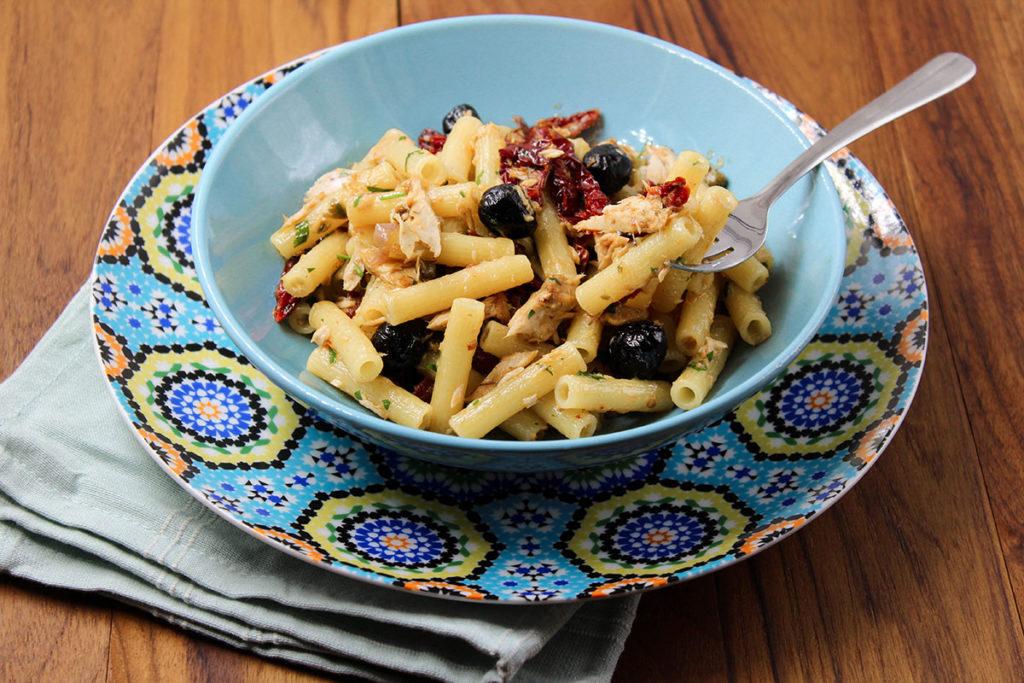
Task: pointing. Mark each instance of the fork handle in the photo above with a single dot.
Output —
(942, 74)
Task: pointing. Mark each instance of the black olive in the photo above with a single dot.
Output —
(456, 113)
(507, 210)
(636, 349)
(610, 167)
(402, 346)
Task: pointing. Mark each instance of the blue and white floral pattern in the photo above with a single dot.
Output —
(821, 397)
(221, 429)
(208, 407)
(406, 541)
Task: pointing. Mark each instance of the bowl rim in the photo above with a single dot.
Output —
(677, 423)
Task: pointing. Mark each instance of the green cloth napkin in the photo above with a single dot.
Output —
(83, 506)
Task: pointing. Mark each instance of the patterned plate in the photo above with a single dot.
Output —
(276, 469)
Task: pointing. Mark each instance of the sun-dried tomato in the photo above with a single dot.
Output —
(424, 388)
(285, 301)
(577, 195)
(673, 193)
(431, 140)
(570, 126)
(483, 362)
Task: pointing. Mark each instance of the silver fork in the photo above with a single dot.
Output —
(745, 230)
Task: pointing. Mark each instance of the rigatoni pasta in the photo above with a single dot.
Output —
(380, 395)
(517, 279)
(571, 423)
(518, 391)
(345, 337)
(454, 362)
(692, 386)
(604, 394)
(747, 315)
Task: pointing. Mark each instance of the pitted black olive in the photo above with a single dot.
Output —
(401, 346)
(610, 167)
(636, 349)
(454, 114)
(507, 210)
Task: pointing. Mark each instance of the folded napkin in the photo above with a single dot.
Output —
(83, 506)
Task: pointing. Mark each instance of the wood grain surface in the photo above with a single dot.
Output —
(915, 574)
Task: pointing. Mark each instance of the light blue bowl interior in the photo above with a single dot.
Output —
(331, 111)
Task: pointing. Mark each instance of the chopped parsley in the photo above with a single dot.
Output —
(332, 355)
(461, 193)
(555, 280)
(343, 257)
(336, 210)
(301, 233)
(386, 403)
(698, 367)
(393, 195)
(548, 370)
(359, 270)
(711, 356)
(654, 271)
(358, 395)
(433, 367)
(415, 151)
(357, 199)
(479, 177)
(310, 270)
(374, 188)
(590, 375)
(402, 137)
(475, 402)
(531, 313)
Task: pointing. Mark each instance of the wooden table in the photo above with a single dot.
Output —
(915, 574)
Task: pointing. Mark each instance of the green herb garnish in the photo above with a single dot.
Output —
(555, 280)
(301, 233)
(359, 270)
(332, 355)
(531, 313)
(461, 193)
(393, 195)
(310, 270)
(336, 210)
(476, 402)
(433, 367)
(386, 403)
(374, 188)
(343, 257)
(590, 375)
(358, 395)
(402, 137)
(548, 370)
(357, 200)
(479, 177)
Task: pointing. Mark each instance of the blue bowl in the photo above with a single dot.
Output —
(329, 112)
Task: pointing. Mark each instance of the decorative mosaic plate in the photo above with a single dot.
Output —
(276, 469)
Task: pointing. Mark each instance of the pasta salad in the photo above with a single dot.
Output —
(516, 278)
